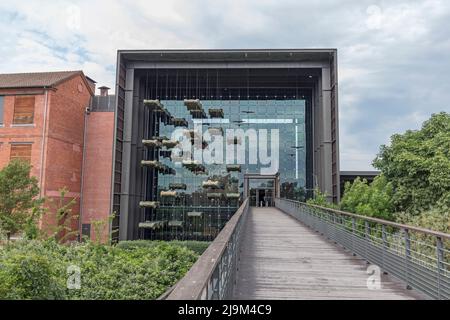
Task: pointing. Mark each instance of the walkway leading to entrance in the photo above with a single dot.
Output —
(283, 259)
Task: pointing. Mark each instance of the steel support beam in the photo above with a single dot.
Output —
(125, 217)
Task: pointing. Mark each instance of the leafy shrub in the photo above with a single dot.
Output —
(374, 200)
(197, 246)
(320, 199)
(436, 219)
(29, 276)
(417, 163)
(38, 270)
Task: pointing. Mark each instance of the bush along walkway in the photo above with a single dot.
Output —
(47, 270)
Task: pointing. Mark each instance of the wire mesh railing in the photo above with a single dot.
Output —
(213, 276)
(420, 257)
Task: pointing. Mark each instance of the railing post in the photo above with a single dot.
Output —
(216, 282)
(440, 259)
(335, 218)
(210, 289)
(236, 248)
(367, 238)
(353, 235)
(367, 229)
(227, 277)
(384, 238)
(407, 256)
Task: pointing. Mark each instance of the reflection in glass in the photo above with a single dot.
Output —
(197, 199)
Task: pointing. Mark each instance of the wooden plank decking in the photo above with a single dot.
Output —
(283, 259)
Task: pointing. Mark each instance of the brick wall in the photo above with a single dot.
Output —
(62, 154)
(97, 172)
(64, 146)
(10, 133)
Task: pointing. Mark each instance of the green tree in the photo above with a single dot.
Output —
(374, 200)
(29, 276)
(417, 163)
(320, 199)
(19, 201)
(62, 227)
(435, 219)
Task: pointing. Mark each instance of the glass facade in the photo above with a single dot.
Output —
(196, 199)
(258, 90)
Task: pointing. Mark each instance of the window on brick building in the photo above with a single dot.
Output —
(24, 110)
(21, 152)
(1, 109)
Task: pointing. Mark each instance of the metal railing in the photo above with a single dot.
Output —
(213, 276)
(419, 257)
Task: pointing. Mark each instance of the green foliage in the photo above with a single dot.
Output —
(418, 165)
(39, 270)
(293, 192)
(31, 229)
(320, 199)
(65, 218)
(19, 202)
(374, 200)
(435, 219)
(28, 276)
(197, 246)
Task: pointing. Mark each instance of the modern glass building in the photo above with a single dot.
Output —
(198, 131)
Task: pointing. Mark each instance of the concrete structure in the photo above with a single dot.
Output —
(239, 78)
(43, 117)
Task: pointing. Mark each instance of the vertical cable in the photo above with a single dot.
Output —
(176, 85)
(167, 83)
(207, 85)
(157, 85)
(197, 89)
(187, 85)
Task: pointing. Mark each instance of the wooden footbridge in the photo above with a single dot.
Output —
(299, 251)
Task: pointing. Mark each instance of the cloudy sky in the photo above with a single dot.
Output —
(394, 56)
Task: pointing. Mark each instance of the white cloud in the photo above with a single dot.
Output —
(394, 66)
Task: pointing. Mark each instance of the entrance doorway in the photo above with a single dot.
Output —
(261, 189)
(265, 198)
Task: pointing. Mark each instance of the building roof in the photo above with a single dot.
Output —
(37, 79)
(211, 55)
(360, 173)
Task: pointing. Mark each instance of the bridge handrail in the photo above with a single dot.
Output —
(212, 277)
(380, 221)
(418, 256)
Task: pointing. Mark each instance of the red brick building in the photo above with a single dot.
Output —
(45, 119)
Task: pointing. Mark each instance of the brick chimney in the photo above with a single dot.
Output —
(104, 91)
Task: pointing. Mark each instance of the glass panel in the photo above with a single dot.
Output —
(262, 183)
(211, 193)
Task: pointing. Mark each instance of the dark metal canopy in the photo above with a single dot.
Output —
(231, 55)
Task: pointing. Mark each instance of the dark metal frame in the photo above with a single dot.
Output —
(320, 64)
